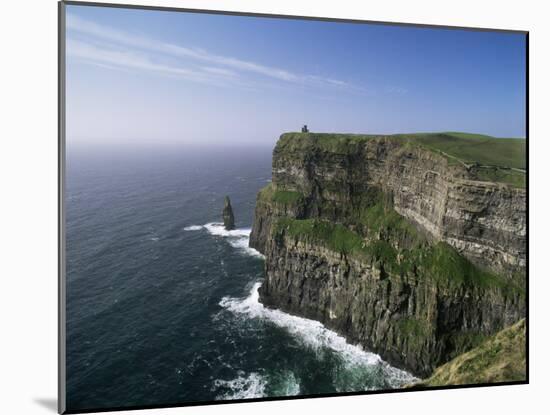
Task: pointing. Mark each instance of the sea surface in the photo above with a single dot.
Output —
(162, 302)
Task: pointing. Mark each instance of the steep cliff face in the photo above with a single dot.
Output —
(411, 316)
(485, 221)
(399, 247)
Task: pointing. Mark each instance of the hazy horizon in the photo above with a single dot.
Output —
(165, 79)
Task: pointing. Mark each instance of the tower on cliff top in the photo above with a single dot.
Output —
(304, 129)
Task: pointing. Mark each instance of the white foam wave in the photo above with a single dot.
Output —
(193, 228)
(237, 238)
(242, 387)
(312, 333)
(217, 229)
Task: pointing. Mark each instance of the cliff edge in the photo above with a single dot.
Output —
(411, 245)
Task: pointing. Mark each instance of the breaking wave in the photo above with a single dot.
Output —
(237, 238)
(315, 335)
(256, 385)
(242, 387)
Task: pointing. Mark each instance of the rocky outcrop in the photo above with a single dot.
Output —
(393, 245)
(227, 214)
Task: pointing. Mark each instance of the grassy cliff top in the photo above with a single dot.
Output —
(487, 158)
(459, 147)
(501, 358)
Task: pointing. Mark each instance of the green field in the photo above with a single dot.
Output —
(475, 148)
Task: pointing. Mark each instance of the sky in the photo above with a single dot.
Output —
(142, 77)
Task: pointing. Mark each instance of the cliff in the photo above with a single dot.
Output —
(499, 359)
(413, 246)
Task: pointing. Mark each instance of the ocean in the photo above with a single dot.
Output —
(162, 302)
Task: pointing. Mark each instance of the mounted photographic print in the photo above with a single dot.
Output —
(258, 207)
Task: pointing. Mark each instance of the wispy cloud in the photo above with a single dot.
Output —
(115, 58)
(119, 52)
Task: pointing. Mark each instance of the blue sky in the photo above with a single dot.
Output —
(156, 77)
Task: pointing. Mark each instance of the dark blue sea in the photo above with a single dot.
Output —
(162, 303)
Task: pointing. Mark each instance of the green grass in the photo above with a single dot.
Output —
(335, 237)
(285, 197)
(442, 262)
(495, 174)
(376, 213)
(476, 148)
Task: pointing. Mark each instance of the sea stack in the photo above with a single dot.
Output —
(228, 217)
